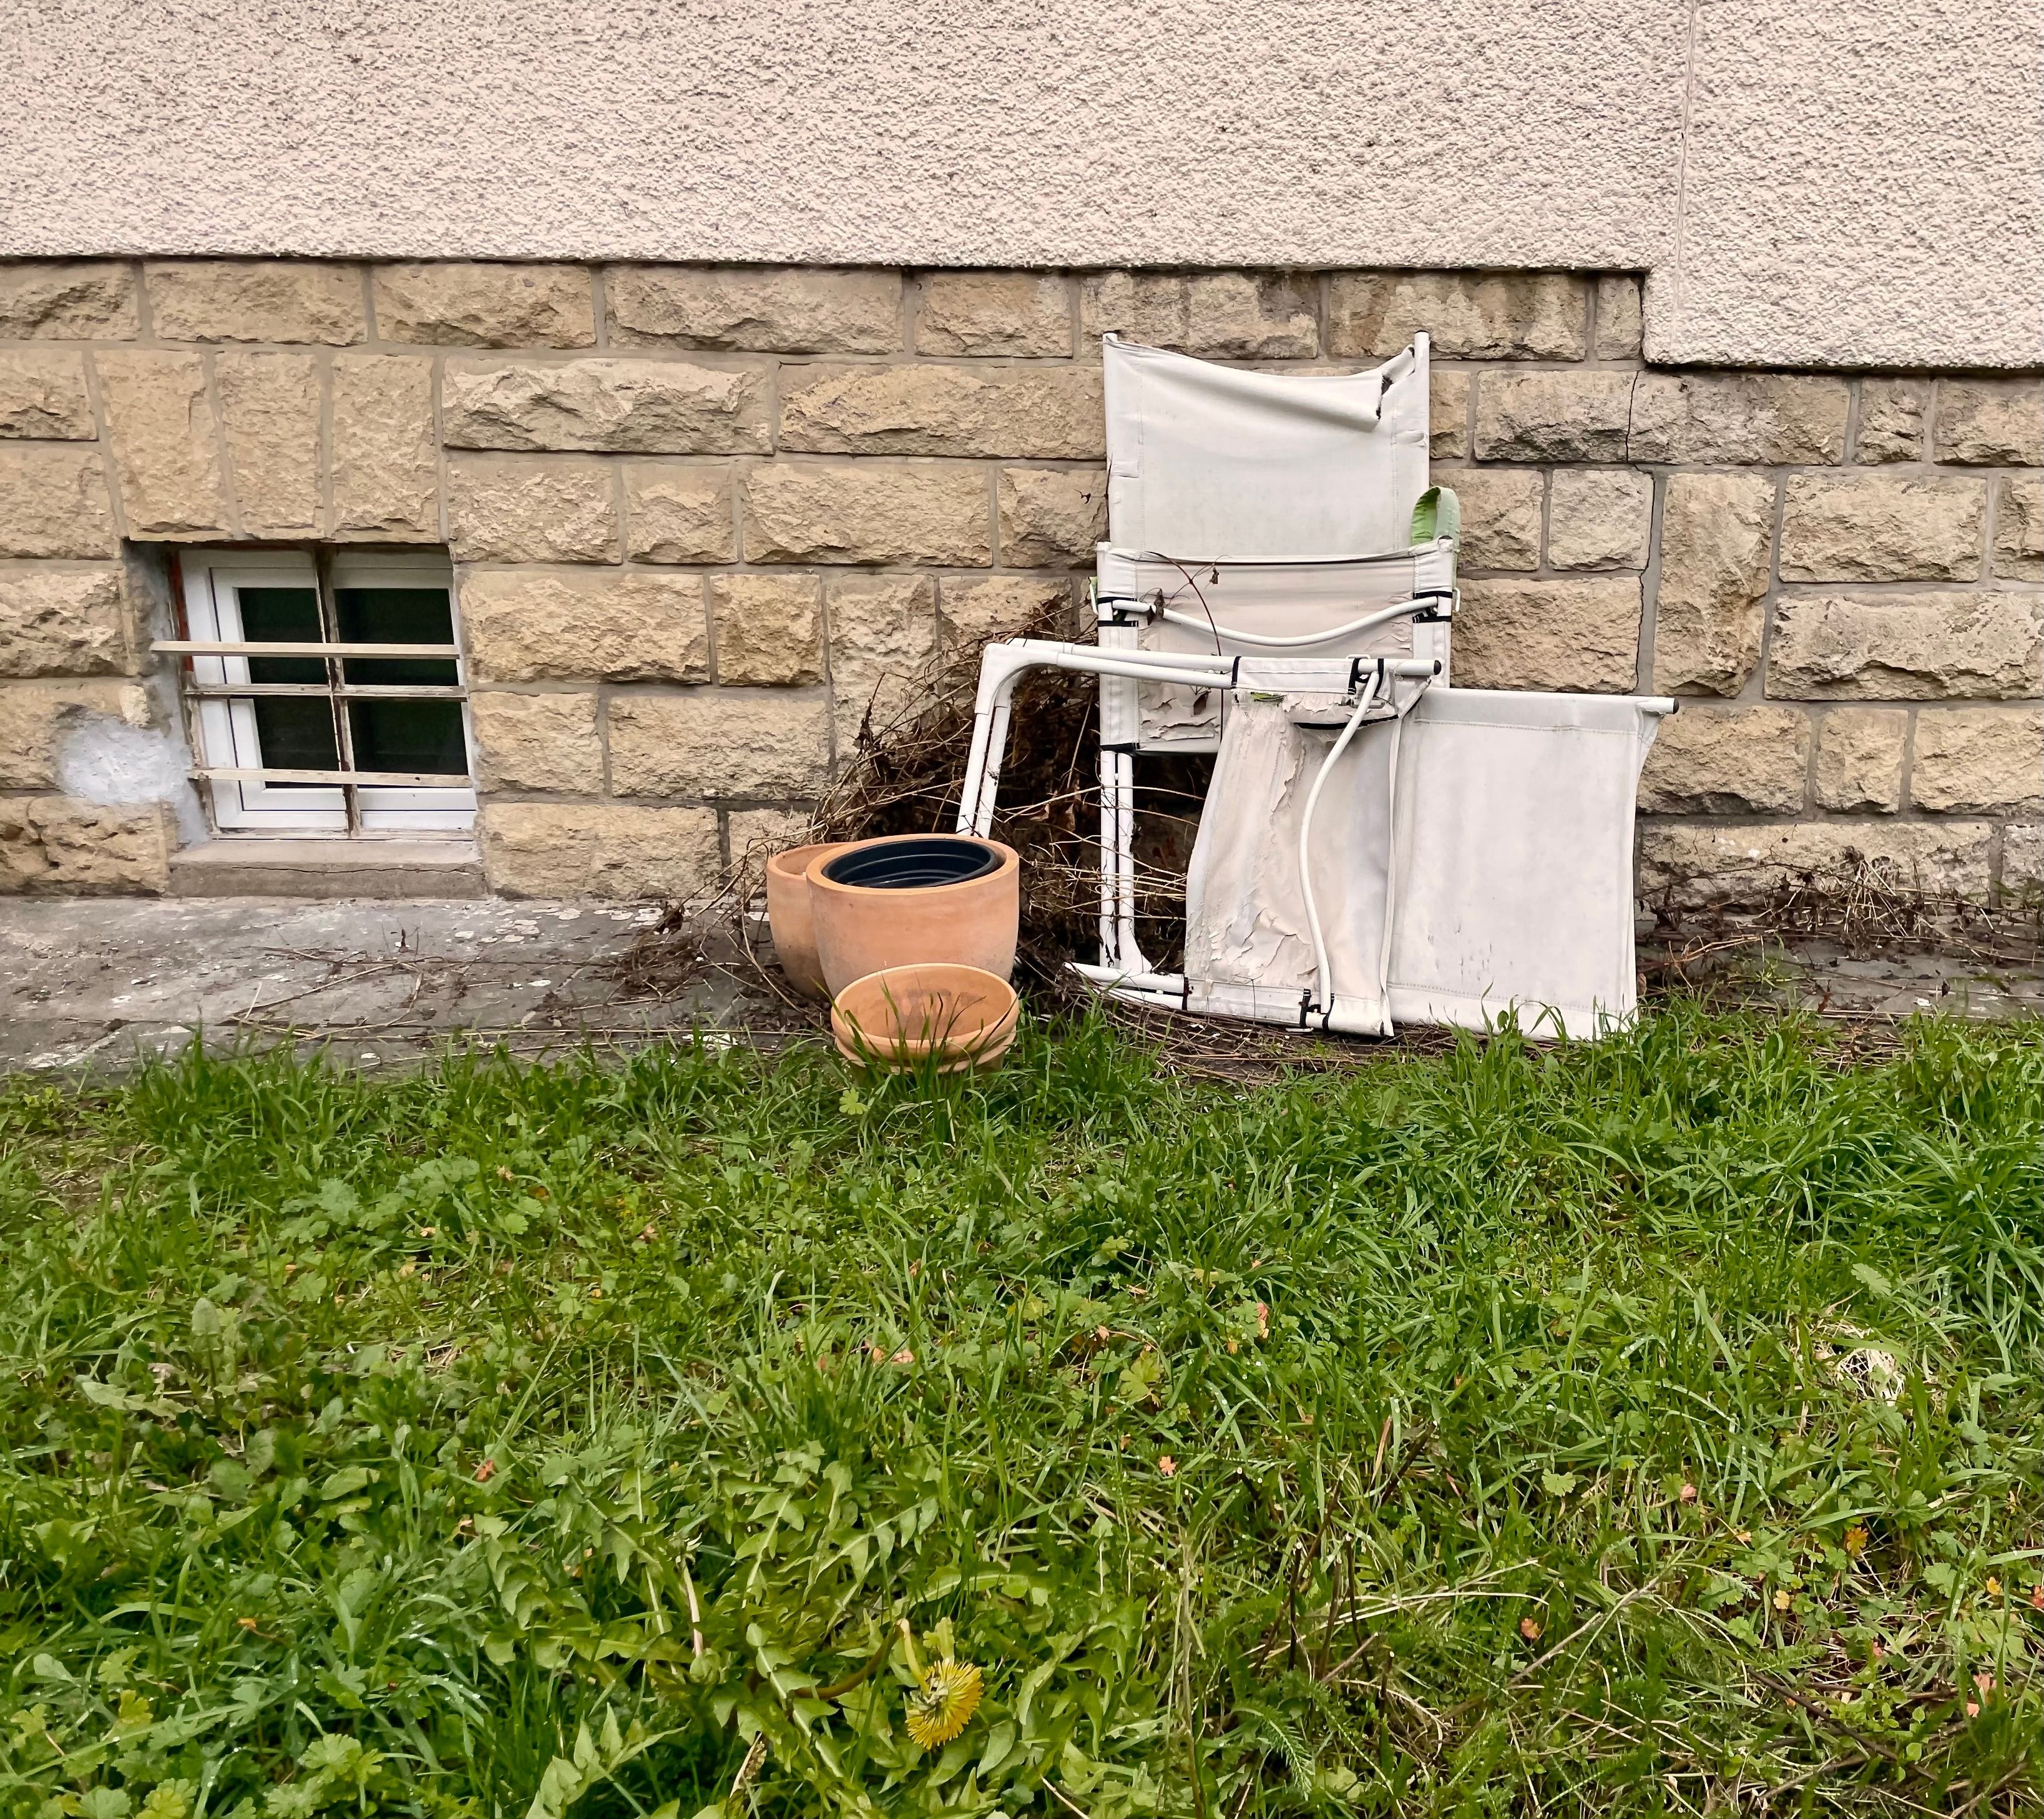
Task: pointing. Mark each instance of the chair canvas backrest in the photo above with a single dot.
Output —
(1208, 462)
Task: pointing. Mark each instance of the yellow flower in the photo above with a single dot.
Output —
(943, 1703)
(1856, 1541)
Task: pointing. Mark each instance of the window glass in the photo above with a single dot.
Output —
(423, 736)
(296, 731)
(396, 616)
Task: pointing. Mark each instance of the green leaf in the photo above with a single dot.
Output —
(1873, 1280)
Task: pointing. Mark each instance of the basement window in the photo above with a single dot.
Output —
(324, 691)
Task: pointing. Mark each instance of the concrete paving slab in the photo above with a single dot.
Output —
(103, 982)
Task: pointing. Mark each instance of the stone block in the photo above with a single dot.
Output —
(756, 835)
(1717, 542)
(1501, 510)
(385, 455)
(546, 743)
(35, 717)
(610, 625)
(59, 846)
(269, 412)
(769, 628)
(1223, 315)
(64, 622)
(1891, 420)
(43, 395)
(2018, 529)
(1484, 316)
(974, 612)
(679, 514)
(1978, 761)
(256, 300)
(1026, 313)
(1859, 758)
(2022, 862)
(613, 851)
(1756, 418)
(166, 449)
(1599, 517)
(787, 310)
(1052, 517)
(457, 303)
(633, 407)
(1447, 412)
(1881, 527)
(1576, 634)
(727, 742)
(1907, 647)
(1553, 416)
(1617, 336)
(1692, 868)
(1727, 760)
(868, 511)
(1991, 422)
(53, 503)
(883, 645)
(521, 508)
(1041, 412)
(68, 300)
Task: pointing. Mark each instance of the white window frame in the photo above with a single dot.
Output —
(225, 731)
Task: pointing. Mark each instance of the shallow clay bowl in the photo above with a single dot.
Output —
(949, 1017)
(788, 916)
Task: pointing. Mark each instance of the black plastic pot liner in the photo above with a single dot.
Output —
(914, 864)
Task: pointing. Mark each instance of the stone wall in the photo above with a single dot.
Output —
(702, 517)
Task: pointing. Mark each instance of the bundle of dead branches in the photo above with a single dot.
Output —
(907, 764)
(902, 773)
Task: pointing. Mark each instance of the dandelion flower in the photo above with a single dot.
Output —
(1855, 1540)
(946, 1693)
(944, 1705)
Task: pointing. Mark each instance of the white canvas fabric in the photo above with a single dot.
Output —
(1213, 463)
(1513, 890)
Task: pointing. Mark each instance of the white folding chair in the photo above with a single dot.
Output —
(1278, 582)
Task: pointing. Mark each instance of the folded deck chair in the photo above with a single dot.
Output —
(1277, 587)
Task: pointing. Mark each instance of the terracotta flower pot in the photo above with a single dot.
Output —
(949, 1017)
(788, 916)
(915, 899)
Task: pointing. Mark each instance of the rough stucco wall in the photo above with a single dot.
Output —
(1856, 188)
(1863, 185)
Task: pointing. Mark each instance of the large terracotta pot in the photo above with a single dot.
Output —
(864, 928)
(951, 1018)
(788, 916)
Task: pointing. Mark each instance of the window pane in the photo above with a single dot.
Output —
(396, 616)
(418, 735)
(295, 732)
(282, 616)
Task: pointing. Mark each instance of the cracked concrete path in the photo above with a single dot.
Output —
(104, 982)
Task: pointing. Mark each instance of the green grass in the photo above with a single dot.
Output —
(1655, 1427)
